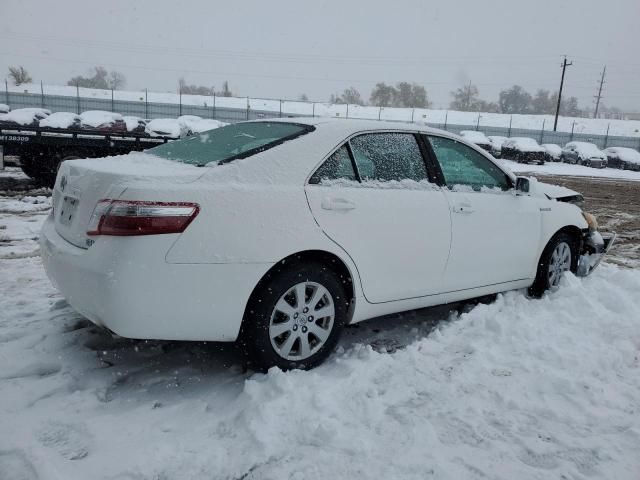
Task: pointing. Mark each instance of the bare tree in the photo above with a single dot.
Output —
(465, 99)
(193, 89)
(19, 75)
(116, 80)
(101, 78)
(226, 92)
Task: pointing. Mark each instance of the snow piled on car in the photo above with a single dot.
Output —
(61, 120)
(518, 388)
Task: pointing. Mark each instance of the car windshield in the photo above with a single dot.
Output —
(228, 143)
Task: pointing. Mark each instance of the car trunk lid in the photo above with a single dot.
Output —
(80, 184)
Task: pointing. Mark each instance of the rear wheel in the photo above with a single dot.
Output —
(294, 319)
(559, 256)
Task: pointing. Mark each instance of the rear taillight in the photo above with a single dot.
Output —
(130, 217)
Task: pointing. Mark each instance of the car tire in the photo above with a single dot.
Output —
(560, 255)
(587, 163)
(280, 331)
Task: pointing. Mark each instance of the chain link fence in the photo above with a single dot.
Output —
(146, 109)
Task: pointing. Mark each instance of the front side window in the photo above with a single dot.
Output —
(388, 156)
(337, 167)
(463, 166)
(231, 142)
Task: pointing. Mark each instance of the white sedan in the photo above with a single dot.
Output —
(279, 233)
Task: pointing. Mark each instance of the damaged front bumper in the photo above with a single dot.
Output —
(595, 246)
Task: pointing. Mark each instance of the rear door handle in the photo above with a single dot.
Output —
(337, 204)
(463, 208)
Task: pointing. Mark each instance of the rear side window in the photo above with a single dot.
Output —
(231, 142)
(388, 156)
(337, 166)
(462, 165)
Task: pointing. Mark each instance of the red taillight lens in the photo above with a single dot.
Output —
(129, 217)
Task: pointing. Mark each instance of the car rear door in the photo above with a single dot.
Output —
(373, 198)
(495, 233)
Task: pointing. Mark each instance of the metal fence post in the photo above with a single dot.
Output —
(606, 137)
(180, 100)
(313, 110)
(112, 103)
(542, 131)
(6, 92)
(41, 95)
(478, 123)
(510, 122)
(77, 98)
(446, 116)
(247, 108)
(280, 108)
(146, 103)
(379, 112)
(347, 110)
(413, 111)
(214, 104)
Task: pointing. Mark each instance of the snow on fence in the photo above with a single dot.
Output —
(625, 133)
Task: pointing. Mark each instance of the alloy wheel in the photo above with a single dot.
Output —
(559, 263)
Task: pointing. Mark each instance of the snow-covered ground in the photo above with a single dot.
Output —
(557, 168)
(534, 122)
(516, 389)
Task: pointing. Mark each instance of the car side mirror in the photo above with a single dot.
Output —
(523, 185)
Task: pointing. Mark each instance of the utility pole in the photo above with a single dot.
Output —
(599, 95)
(564, 67)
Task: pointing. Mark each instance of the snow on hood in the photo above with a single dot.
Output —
(95, 118)
(25, 116)
(60, 120)
(557, 192)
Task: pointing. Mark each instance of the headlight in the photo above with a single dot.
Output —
(591, 221)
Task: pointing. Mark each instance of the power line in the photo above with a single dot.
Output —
(599, 95)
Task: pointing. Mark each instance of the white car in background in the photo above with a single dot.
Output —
(478, 138)
(26, 117)
(496, 144)
(523, 150)
(623, 157)
(167, 127)
(61, 120)
(106, 122)
(277, 234)
(553, 152)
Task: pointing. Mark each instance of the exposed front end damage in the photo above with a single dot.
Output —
(594, 247)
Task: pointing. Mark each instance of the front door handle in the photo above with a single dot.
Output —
(463, 208)
(337, 204)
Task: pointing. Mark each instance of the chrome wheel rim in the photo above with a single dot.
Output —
(301, 321)
(559, 263)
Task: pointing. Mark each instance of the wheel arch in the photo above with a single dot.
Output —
(331, 260)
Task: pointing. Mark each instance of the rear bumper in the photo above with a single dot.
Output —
(126, 285)
(595, 247)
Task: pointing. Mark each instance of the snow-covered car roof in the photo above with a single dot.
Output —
(61, 120)
(133, 122)
(4, 108)
(25, 116)
(552, 148)
(524, 144)
(586, 148)
(166, 127)
(292, 162)
(625, 153)
(475, 136)
(96, 118)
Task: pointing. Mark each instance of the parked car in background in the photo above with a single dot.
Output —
(189, 121)
(26, 117)
(4, 108)
(135, 124)
(207, 124)
(104, 121)
(583, 153)
(552, 152)
(523, 150)
(496, 144)
(211, 239)
(167, 127)
(61, 120)
(623, 157)
(479, 138)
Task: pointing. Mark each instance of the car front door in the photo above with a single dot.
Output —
(373, 198)
(495, 233)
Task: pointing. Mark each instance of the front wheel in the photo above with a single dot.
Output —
(294, 319)
(559, 256)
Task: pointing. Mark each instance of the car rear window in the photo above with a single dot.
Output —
(231, 142)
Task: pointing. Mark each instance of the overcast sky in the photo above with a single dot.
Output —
(281, 49)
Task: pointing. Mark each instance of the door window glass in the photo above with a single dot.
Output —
(337, 166)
